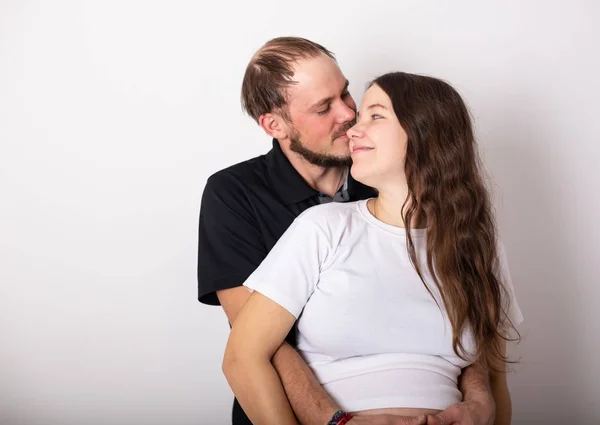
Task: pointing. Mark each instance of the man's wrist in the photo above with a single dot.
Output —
(482, 407)
(325, 413)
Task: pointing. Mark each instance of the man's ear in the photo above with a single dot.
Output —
(274, 125)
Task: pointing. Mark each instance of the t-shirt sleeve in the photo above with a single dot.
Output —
(230, 245)
(290, 273)
(510, 304)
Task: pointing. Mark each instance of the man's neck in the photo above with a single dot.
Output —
(326, 180)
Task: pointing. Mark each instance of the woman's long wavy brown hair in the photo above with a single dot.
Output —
(446, 189)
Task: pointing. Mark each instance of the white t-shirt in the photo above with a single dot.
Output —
(367, 326)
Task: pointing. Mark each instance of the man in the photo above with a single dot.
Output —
(294, 89)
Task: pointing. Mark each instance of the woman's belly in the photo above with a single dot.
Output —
(399, 411)
(403, 392)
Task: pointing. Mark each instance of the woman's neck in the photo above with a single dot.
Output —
(387, 207)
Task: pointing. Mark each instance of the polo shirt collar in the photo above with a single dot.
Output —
(292, 188)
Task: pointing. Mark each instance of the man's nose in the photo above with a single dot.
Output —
(345, 113)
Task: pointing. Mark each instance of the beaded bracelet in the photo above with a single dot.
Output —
(340, 418)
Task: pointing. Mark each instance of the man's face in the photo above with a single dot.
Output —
(321, 110)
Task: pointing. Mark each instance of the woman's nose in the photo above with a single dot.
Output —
(354, 132)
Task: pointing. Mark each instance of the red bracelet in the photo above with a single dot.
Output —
(345, 419)
(340, 418)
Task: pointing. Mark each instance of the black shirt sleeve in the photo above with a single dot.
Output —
(230, 245)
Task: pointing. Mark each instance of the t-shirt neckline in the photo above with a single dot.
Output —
(366, 214)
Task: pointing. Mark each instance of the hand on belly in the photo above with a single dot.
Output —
(399, 411)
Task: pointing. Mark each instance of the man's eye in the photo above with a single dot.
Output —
(324, 111)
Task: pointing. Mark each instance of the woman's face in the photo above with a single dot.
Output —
(377, 141)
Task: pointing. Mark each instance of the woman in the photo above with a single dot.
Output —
(393, 296)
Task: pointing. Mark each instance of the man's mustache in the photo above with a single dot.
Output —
(347, 126)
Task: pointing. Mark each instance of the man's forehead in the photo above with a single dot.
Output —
(312, 83)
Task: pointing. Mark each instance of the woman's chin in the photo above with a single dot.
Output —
(361, 175)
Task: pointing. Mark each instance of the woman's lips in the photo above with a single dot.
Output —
(359, 149)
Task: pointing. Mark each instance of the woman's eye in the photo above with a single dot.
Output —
(376, 116)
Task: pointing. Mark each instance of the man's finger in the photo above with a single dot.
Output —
(439, 419)
(421, 420)
(388, 420)
(410, 420)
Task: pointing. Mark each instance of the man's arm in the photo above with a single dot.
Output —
(477, 407)
(477, 394)
(310, 402)
(486, 398)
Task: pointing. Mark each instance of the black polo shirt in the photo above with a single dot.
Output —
(245, 209)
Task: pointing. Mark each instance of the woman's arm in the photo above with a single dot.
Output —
(257, 332)
(501, 394)
(311, 404)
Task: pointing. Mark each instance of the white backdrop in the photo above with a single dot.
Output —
(114, 113)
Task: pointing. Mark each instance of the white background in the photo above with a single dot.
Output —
(114, 113)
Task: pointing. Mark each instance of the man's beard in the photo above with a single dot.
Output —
(322, 159)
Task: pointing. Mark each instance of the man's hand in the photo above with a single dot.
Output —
(466, 413)
(388, 420)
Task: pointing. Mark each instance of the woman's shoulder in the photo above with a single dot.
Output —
(331, 220)
(332, 212)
